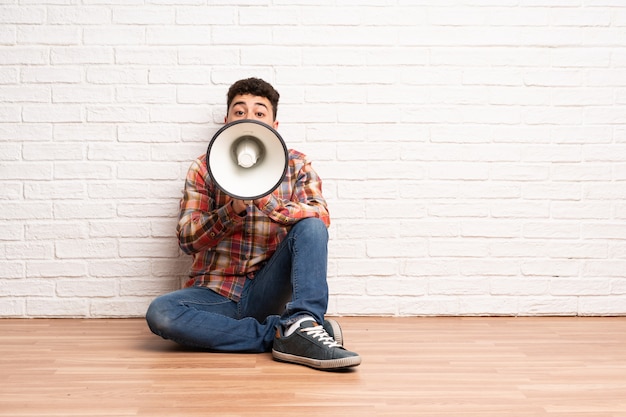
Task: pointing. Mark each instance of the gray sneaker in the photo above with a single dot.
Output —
(311, 345)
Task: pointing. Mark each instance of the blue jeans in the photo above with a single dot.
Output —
(291, 284)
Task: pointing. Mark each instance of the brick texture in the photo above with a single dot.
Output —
(473, 152)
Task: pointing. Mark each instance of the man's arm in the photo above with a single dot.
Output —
(200, 224)
(306, 200)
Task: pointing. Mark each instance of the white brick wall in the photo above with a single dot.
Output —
(474, 152)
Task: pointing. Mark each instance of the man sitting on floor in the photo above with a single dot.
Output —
(258, 279)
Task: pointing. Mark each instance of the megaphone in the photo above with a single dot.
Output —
(247, 159)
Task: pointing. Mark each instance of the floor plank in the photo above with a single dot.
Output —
(436, 366)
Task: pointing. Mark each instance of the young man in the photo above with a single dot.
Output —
(258, 279)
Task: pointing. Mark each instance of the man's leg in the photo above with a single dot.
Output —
(293, 282)
(199, 317)
(296, 277)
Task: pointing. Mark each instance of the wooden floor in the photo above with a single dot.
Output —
(483, 367)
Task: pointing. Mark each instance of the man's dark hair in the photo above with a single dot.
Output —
(255, 87)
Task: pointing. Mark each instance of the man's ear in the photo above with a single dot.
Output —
(275, 125)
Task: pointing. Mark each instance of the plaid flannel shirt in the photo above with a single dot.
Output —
(228, 248)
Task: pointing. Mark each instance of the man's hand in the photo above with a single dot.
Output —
(240, 206)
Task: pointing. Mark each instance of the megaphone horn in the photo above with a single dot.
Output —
(247, 159)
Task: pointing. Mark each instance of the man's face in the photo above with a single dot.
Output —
(247, 106)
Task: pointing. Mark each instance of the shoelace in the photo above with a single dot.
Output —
(319, 333)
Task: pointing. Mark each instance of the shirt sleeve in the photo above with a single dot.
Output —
(200, 225)
(306, 200)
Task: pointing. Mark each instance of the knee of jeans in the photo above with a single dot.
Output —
(314, 227)
(158, 320)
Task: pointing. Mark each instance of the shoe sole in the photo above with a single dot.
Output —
(348, 362)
